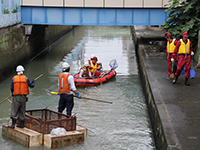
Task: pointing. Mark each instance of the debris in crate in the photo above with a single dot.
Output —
(58, 131)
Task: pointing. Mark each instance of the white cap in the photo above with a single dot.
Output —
(19, 68)
(65, 65)
(86, 64)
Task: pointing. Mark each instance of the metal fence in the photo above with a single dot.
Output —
(10, 12)
(44, 120)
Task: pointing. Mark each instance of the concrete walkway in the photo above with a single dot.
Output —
(178, 105)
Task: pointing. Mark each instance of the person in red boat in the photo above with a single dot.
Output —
(84, 71)
(94, 67)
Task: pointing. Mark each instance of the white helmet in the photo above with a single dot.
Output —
(65, 65)
(86, 64)
(92, 56)
(20, 68)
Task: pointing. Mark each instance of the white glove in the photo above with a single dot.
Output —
(192, 53)
(172, 59)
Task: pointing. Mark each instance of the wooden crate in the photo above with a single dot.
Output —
(81, 129)
(38, 125)
(23, 136)
(70, 138)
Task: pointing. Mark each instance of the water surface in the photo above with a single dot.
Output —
(123, 125)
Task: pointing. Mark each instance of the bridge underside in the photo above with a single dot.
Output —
(92, 16)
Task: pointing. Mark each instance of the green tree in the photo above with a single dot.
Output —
(184, 15)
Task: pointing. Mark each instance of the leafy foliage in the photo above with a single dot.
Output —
(6, 11)
(15, 9)
(184, 15)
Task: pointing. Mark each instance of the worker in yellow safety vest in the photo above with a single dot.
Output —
(171, 44)
(184, 50)
(94, 67)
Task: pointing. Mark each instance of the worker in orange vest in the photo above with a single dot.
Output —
(171, 44)
(19, 88)
(184, 50)
(66, 88)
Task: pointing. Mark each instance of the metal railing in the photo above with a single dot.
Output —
(96, 3)
(44, 120)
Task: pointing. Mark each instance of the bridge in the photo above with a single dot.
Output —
(93, 12)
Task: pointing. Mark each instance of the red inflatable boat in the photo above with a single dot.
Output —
(103, 78)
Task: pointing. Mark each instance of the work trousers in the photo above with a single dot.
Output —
(18, 107)
(183, 61)
(66, 101)
(170, 64)
(96, 74)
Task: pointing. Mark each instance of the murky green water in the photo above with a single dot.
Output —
(123, 125)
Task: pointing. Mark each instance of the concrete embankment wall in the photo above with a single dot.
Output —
(16, 48)
(158, 133)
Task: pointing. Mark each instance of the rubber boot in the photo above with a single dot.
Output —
(186, 82)
(174, 80)
(13, 124)
(21, 124)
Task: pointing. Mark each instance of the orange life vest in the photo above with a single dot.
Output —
(64, 86)
(20, 85)
(171, 46)
(184, 48)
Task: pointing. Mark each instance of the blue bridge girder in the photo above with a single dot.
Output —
(92, 16)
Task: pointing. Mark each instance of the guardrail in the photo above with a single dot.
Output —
(97, 3)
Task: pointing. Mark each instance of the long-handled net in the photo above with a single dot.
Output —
(113, 64)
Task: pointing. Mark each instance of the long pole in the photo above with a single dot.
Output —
(94, 99)
(6, 99)
(51, 103)
(38, 77)
(72, 115)
(11, 95)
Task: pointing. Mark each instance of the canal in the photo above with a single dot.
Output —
(123, 125)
